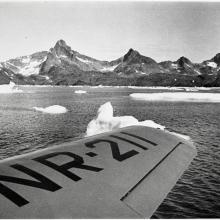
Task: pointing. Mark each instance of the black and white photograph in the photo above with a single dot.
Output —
(109, 109)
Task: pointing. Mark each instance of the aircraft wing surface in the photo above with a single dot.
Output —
(121, 174)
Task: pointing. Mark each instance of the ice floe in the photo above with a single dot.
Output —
(80, 91)
(157, 87)
(9, 88)
(178, 97)
(53, 109)
(191, 89)
(105, 121)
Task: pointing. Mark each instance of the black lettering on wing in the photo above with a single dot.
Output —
(114, 148)
(42, 183)
(78, 162)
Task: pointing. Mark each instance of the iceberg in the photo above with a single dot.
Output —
(80, 91)
(9, 88)
(178, 97)
(105, 121)
(54, 109)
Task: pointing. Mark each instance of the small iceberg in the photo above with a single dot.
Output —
(178, 97)
(9, 88)
(105, 121)
(80, 91)
(54, 109)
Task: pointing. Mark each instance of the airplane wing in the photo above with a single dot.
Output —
(121, 174)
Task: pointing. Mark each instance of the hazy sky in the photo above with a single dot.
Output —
(106, 30)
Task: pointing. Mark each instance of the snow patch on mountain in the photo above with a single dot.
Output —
(26, 59)
(140, 72)
(212, 64)
(83, 60)
(109, 68)
(197, 72)
(175, 66)
(31, 68)
(63, 56)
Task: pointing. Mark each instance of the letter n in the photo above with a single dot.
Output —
(42, 183)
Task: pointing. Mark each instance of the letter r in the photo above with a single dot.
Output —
(64, 168)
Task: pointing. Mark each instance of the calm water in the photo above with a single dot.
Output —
(197, 193)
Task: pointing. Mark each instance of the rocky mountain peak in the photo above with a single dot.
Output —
(130, 55)
(183, 60)
(61, 48)
(61, 43)
(216, 58)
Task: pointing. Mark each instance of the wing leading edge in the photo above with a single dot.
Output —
(122, 174)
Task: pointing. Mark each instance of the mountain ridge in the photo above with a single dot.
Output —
(61, 65)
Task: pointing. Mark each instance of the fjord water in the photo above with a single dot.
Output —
(196, 194)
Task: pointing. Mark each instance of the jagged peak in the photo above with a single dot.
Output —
(216, 58)
(61, 43)
(131, 50)
(183, 60)
(130, 53)
(217, 55)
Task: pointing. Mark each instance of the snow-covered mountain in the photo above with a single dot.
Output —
(63, 66)
(26, 65)
(133, 63)
(62, 54)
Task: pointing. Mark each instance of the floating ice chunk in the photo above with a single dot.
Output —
(189, 89)
(54, 109)
(178, 97)
(80, 91)
(155, 87)
(9, 88)
(97, 126)
(205, 88)
(105, 112)
(105, 121)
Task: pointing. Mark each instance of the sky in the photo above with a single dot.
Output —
(106, 30)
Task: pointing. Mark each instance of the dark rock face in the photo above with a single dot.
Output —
(4, 78)
(182, 61)
(134, 57)
(133, 63)
(216, 59)
(63, 66)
